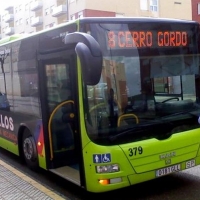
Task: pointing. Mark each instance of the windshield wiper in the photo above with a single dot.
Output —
(150, 128)
(159, 128)
(194, 113)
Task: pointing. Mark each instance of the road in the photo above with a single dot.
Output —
(178, 186)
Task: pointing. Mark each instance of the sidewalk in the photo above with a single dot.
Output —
(15, 185)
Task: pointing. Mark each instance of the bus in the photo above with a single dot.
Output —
(104, 103)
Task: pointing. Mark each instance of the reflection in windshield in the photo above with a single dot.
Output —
(150, 95)
(143, 93)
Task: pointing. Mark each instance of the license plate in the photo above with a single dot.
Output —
(168, 170)
(189, 164)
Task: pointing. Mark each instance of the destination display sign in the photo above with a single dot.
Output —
(143, 39)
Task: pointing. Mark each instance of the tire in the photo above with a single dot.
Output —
(30, 151)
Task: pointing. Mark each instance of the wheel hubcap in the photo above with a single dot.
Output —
(28, 148)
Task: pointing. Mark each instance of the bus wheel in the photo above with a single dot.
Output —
(30, 151)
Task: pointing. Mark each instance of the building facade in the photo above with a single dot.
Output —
(30, 16)
(180, 9)
(196, 10)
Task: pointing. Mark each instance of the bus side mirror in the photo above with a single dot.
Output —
(91, 65)
(90, 55)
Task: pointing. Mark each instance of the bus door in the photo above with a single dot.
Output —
(59, 115)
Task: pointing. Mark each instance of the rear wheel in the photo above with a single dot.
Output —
(30, 151)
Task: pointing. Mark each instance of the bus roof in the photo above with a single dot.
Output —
(134, 19)
(11, 38)
(16, 37)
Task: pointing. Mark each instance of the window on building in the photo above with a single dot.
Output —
(154, 5)
(27, 21)
(6, 27)
(198, 9)
(80, 14)
(31, 19)
(20, 7)
(73, 17)
(143, 5)
(51, 8)
(26, 6)
(47, 11)
(52, 24)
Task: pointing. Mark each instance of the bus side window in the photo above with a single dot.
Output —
(197, 84)
(65, 90)
(52, 86)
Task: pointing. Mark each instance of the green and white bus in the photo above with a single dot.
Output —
(105, 103)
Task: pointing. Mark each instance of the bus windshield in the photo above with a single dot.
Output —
(149, 83)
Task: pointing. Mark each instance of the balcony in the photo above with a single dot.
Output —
(59, 10)
(9, 8)
(9, 18)
(36, 5)
(36, 21)
(9, 31)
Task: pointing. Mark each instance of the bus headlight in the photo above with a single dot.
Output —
(107, 168)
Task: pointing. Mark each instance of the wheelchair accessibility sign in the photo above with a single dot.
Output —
(101, 158)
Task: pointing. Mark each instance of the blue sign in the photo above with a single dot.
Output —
(101, 158)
